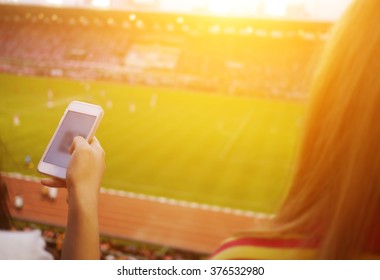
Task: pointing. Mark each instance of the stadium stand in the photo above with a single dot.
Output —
(247, 57)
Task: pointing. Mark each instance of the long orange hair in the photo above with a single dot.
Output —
(335, 191)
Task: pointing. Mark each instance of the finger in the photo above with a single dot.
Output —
(78, 142)
(96, 144)
(94, 141)
(53, 182)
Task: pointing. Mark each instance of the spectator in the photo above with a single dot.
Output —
(332, 209)
(18, 202)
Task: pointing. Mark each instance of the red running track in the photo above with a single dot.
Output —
(178, 226)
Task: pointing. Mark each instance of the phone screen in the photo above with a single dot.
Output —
(74, 124)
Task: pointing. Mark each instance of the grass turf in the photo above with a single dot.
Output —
(203, 147)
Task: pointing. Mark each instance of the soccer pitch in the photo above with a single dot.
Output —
(202, 147)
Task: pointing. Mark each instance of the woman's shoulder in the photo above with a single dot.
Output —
(23, 245)
(265, 245)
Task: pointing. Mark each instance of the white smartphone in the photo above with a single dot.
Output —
(79, 119)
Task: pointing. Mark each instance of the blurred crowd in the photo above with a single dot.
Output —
(250, 58)
(111, 248)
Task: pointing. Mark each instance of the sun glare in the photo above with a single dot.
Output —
(101, 3)
(275, 8)
(55, 2)
(244, 8)
(220, 7)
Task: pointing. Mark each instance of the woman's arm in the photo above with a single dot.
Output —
(83, 181)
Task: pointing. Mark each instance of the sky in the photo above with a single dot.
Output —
(316, 9)
(329, 9)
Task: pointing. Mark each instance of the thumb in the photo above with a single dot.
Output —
(78, 142)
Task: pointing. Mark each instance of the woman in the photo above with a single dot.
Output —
(333, 208)
(84, 176)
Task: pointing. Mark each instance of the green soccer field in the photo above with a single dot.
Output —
(202, 147)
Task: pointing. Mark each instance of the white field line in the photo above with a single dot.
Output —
(162, 200)
(235, 136)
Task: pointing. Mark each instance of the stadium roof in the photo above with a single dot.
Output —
(42, 13)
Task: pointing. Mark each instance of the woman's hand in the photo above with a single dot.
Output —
(84, 173)
(83, 180)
